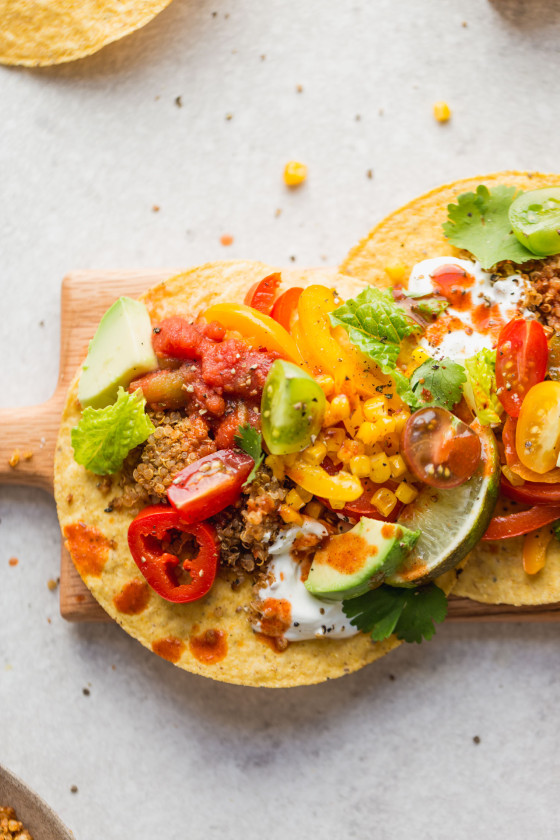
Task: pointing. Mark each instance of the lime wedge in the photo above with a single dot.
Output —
(451, 520)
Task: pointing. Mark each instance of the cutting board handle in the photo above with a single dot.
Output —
(27, 443)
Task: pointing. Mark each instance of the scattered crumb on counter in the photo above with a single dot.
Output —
(13, 561)
(10, 827)
(299, 88)
(14, 459)
(155, 208)
(442, 112)
(52, 584)
(178, 102)
(369, 173)
(226, 239)
(278, 212)
(86, 692)
(229, 117)
(476, 739)
(74, 789)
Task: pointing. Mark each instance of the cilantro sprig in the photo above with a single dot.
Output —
(408, 613)
(437, 383)
(250, 441)
(479, 223)
(377, 325)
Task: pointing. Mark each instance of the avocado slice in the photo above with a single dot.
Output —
(352, 563)
(120, 350)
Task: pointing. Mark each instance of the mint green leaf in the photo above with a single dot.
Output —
(104, 436)
(479, 223)
(250, 441)
(437, 383)
(377, 325)
(480, 387)
(409, 613)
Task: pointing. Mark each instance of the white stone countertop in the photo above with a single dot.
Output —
(86, 150)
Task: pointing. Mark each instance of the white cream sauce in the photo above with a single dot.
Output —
(311, 617)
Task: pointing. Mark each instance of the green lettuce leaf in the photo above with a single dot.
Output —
(104, 436)
(377, 325)
(480, 387)
(479, 223)
(437, 383)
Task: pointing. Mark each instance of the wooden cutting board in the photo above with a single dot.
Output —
(28, 436)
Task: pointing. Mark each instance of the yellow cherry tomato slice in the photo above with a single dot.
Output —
(343, 486)
(537, 437)
(261, 330)
(535, 545)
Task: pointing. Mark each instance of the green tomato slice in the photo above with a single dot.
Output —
(535, 220)
(292, 408)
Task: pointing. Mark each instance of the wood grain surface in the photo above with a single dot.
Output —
(28, 437)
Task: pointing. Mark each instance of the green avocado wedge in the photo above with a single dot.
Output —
(451, 520)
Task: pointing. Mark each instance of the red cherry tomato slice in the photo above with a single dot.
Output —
(285, 307)
(521, 359)
(210, 484)
(531, 493)
(262, 294)
(521, 522)
(150, 536)
(440, 449)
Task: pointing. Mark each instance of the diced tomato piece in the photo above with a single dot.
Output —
(162, 389)
(229, 426)
(177, 338)
(236, 368)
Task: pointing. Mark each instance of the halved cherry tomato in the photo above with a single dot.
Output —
(515, 465)
(285, 307)
(440, 449)
(537, 438)
(210, 484)
(152, 534)
(521, 522)
(531, 493)
(521, 359)
(262, 294)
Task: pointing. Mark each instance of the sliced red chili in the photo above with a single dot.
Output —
(521, 522)
(531, 493)
(262, 294)
(151, 535)
(210, 484)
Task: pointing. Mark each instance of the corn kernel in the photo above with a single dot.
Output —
(340, 407)
(442, 111)
(400, 421)
(391, 443)
(369, 433)
(398, 466)
(384, 500)
(276, 464)
(360, 466)
(315, 454)
(314, 509)
(380, 469)
(406, 493)
(386, 424)
(294, 500)
(295, 173)
(326, 383)
(290, 516)
(333, 439)
(349, 450)
(374, 408)
(336, 504)
(396, 272)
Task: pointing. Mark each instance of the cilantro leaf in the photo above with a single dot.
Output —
(376, 325)
(431, 307)
(409, 613)
(480, 387)
(437, 383)
(104, 436)
(479, 223)
(250, 441)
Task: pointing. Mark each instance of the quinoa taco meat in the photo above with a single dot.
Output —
(484, 252)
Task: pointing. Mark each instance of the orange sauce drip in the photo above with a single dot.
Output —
(276, 616)
(487, 319)
(388, 530)
(276, 643)
(133, 597)
(210, 647)
(170, 648)
(89, 548)
(347, 553)
(445, 324)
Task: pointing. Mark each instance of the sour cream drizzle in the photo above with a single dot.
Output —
(479, 307)
(310, 617)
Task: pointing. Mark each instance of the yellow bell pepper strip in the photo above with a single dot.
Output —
(261, 330)
(314, 306)
(342, 486)
(535, 545)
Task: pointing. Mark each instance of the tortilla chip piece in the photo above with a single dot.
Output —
(211, 636)
(494, 573)
(37, 33)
